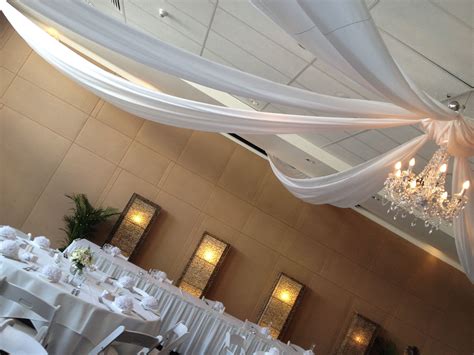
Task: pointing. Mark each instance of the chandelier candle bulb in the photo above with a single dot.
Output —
(424, 195)
(465, 186)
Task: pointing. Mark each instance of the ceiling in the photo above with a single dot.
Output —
(432, 40)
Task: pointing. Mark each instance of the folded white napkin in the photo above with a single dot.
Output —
(161, 275)
(149, 302)
(42, 242)
(265, 331)
(126, 282)
(124, 303)
(7, 232)
(273, 351)
(27, 256)
(115, 251)
(10, 248)
(52, 273)
(218, 306)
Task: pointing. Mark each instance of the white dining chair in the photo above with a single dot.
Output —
(173, 338)
(33, 303)
(121, 335)
(14, 341)
(234, 344)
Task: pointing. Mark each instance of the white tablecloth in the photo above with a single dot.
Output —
(113, 266)
(86, 317)
(82, 321)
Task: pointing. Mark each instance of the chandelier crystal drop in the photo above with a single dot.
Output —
(424, 196)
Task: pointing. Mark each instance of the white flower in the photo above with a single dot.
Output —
(150, 302)
(126, 282)
(10, 248)
(125, 303)
(7, 232)
(42, 242)
(52, 272)
(81, 257)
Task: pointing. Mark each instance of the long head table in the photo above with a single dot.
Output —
(83, 321)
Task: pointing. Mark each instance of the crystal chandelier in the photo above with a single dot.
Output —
(424, 196)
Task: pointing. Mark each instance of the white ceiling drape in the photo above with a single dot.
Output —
(156, 54)
(343, 34)
(342, 189)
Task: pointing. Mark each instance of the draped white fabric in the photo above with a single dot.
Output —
(347, 51)
(345, 36)
(159, 55)
(464, 225)
(348, 188)
(172, 110)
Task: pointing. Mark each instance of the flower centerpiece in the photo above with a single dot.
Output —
(80, 258)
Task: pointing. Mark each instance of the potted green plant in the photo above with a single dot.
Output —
(84, 218)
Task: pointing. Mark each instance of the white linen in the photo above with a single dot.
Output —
(345, 36)
(464, 225)
(159, 55)
(75, 332)
(350, 187)
(172, 110)
(113, 266)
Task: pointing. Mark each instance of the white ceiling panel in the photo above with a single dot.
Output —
(316, 80)
(430, 31)
(341, 78)
(180, 22)
(141, 19)
(242, 59)
(359, 148)
(344, 154)
(253, 42)
(200, 10)
(376, 140)
(423, 72)
(316, 139)
(247, 13)
(462, 10)
(401, 134)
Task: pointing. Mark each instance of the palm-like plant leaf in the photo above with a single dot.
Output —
(84, 218)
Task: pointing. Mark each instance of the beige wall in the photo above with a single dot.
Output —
(57, 138)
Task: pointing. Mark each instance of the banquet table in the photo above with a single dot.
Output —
(83, 321)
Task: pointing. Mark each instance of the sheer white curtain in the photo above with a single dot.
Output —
(342, 33)
(156, 54)
(350, 187)
(171, 110)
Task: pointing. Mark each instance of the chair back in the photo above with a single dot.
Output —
(32, 302)
(120, 335)
(174, 337)
(234, 344)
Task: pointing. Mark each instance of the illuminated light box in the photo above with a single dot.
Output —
(359, 337)
(281, 305)
(203, 266)
(133, 225)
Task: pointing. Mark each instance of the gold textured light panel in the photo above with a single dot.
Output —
(359, 336)
(203, 266)
(133, 224)
(281, 305)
